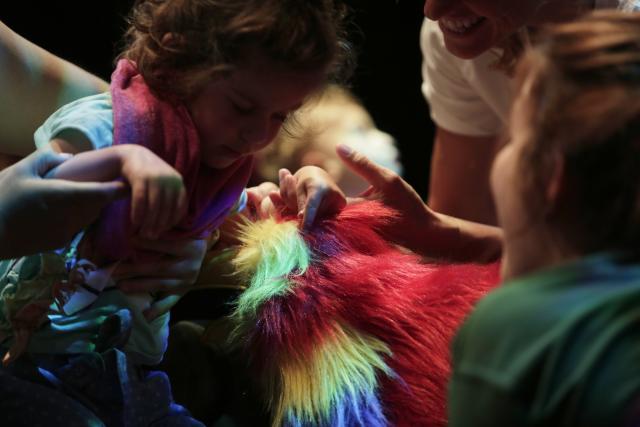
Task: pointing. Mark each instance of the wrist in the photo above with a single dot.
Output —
(123, 155)
(469, 241)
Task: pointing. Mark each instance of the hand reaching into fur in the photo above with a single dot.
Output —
(311, 193)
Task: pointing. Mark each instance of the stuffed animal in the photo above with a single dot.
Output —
(343, 328)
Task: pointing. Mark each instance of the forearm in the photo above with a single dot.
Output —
(34, 83)
(459, 240)
(93, 166)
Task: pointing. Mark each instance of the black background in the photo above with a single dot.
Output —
(387, 79)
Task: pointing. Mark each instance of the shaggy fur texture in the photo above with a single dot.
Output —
(345, 329)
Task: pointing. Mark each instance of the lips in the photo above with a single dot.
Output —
(460, 25)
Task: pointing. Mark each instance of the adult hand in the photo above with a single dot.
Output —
(169, 277)
(310, 192)
(39, 214)
(419, 228)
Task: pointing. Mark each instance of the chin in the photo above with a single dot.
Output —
(219, 162)
(466, 52)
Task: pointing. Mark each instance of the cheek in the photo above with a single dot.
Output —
(495, 173)
(504, 183)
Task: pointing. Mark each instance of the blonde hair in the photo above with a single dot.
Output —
(583, 81)
(179, 45)
(289, 146)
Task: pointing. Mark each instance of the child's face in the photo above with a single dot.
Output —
(240, 114)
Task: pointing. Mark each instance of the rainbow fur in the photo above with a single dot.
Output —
(344, 329)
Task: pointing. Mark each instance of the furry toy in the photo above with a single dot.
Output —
(345, 329)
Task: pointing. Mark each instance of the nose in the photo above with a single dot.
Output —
(435, 9)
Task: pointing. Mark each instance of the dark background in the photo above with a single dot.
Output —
(387, 78)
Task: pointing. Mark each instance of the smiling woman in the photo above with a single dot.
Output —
(469, 49)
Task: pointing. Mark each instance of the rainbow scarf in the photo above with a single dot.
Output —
(344, 329)
(166, 128)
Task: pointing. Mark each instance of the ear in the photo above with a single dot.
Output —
(172, 40)
(556, 182)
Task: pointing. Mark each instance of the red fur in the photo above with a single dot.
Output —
(359, 279)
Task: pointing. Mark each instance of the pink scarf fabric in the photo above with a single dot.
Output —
(139, 117)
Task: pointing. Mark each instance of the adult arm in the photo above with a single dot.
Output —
(459, 182)
(420, 228)
(34, 83)
(38, 214)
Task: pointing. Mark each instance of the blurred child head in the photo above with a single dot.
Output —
(334, 116)
(571, 172)
(240, 66)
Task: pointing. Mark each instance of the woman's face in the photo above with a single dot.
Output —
(471, 27)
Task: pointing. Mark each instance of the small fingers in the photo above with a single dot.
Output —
(139, 203)
(43, 162)
(311, 207)
(179, 209)
(161, 306)
(157, 213)
(288, 191)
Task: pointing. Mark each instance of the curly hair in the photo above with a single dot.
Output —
(178, 45)
(583, 82)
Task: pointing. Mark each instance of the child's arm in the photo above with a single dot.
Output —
(157, 191)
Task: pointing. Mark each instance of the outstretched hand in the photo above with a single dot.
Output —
(419, 228)
(38, 214)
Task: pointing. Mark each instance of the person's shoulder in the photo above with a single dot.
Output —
(432, 44)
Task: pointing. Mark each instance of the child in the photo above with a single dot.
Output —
(558, 344)
(201, 86)
(336, 116)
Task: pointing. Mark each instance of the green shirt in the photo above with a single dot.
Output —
(557, 348)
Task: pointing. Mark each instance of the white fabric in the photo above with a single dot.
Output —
(469, 97)
(91, 115)
(466, 97)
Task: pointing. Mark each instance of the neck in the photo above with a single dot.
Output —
(531, 252)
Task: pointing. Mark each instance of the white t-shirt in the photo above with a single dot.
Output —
(468, 96)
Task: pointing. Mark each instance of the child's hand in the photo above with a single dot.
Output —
(168, 278)
(310, 192)
(260, 201)
(158, 196)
